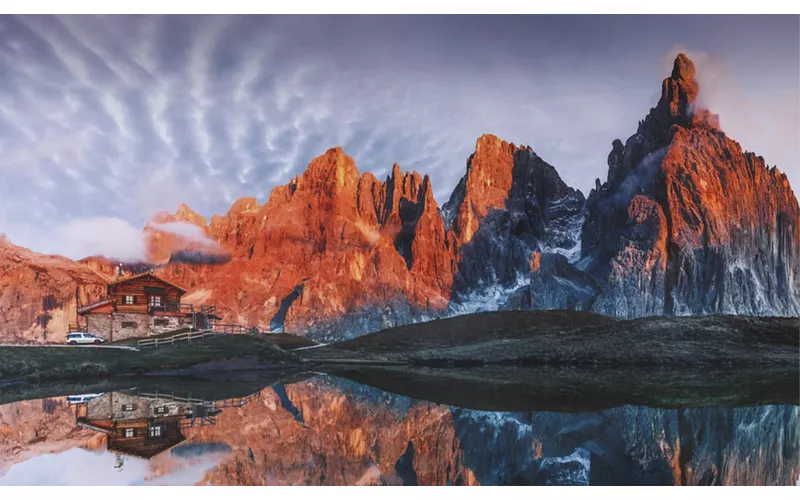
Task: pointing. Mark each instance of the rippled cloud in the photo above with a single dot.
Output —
(115, 117)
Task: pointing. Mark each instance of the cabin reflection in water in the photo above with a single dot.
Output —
(143, 424)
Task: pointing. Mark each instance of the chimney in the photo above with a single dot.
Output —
(120, 270)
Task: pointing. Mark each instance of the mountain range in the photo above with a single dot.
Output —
(686, 222)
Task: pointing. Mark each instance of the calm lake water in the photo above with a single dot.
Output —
(323, 430)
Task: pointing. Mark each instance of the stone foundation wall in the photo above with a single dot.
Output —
(99, 324)
(110, 325)
(100, 407)
(164, 324)
(140, 328)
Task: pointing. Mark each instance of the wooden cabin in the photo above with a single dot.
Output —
(142, 426)
(145, 438)
(138, 306)
(136, 426)
(145, 294)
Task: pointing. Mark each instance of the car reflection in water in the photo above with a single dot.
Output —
(146, 424)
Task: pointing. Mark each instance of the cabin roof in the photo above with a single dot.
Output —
(142, 275)
(142, 445)
(90, 307)
(142, 449)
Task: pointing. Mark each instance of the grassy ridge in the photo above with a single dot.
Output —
(47, 363)
(579, 338)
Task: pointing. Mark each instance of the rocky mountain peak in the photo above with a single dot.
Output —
(484, 187)
(334, 169)
(185, 213)
(242, 205)
(682, 208)
(679, 91)
(676, 107)
(683, 68)
(678, 94)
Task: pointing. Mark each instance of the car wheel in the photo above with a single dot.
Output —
(98, 341)
(73, 343)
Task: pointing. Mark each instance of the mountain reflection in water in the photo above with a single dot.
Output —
(316, 429)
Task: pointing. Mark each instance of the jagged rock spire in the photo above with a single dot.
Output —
(679, 91)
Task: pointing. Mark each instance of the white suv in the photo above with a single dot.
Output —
(83, 338)
(81, 398)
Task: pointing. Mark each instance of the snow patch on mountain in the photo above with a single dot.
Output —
(488, 297)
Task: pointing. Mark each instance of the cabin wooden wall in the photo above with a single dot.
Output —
(136, 288)
(141, 444)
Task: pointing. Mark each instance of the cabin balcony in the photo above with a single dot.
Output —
(170, 309)
(180, 309)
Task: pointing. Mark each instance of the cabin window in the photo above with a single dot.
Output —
(128, 407)
(130, 300)
(155, 300)
(161, 322)
(160, 410)
(129, 433)
(128, 324)
(155, 431)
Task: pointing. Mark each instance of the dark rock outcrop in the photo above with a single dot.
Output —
(633, 446)
(509, 203)
(554, 284)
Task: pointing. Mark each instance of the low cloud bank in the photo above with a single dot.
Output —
(110, 237)
(187, 231)
(117, 239)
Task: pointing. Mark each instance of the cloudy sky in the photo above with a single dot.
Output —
(80, 467)
(104, 120)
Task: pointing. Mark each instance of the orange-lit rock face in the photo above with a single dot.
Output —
(327, 244)
(536, 261)
(680, 90)
(486, 185)
(39, 294)
(716, 191)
